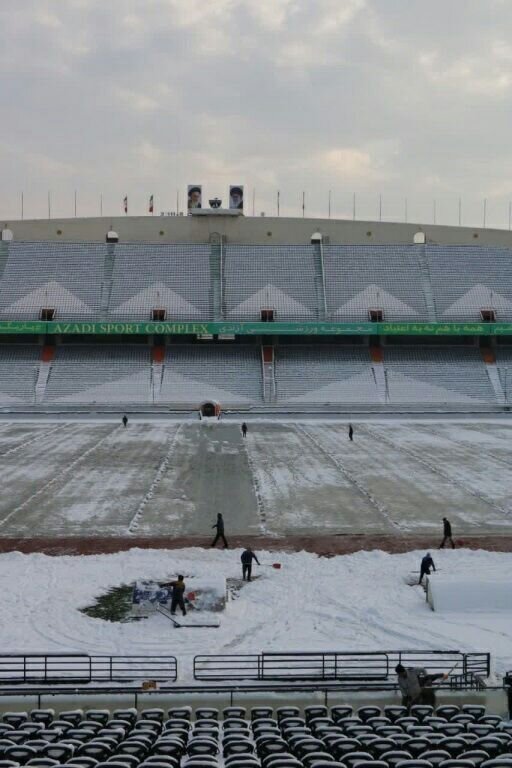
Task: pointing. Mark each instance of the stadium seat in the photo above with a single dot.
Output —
(351, 759)
(20, 753)
(15, 718)
(152, 713)
(340, 712)
(74, 716)
(101, 716)
(477, 756)
(396, 756)
(447, 711)
(206, 713)
(44, 716)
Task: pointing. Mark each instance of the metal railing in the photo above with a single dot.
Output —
(372, 669)
(76, 668)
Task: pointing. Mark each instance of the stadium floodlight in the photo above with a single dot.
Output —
(316, 238)
(112, 237)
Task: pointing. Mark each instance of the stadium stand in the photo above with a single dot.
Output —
(387, 277)
(103, 373)
(432, 374)
(19, 364)
(196, 372)
(465, 280)
(324, 373)
(264, 277)
(315, 736)
(504, 366)
(66, 277)
(175, 278)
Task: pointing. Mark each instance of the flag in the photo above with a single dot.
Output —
(151, 207)
(125, 203)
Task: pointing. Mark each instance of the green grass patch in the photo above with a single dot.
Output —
(114, 605)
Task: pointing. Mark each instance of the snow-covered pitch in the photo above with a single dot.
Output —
(347, 603)
(169, 478)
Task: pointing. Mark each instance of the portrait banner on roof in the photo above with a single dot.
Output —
(236, 197)
(194, 196)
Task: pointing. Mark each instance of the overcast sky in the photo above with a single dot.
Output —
(404, 98)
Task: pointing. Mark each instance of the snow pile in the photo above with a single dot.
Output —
(349, 603)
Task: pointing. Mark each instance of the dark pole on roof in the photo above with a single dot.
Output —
(278, 202)
(406, 212)
(330, 203)
(460, 212)
(485, 212)
(22, 206)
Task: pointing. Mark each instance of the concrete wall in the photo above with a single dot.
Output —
(247, 230)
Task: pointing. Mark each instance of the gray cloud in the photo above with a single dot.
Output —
(401, 98)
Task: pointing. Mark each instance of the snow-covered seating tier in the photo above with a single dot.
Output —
(99, 374)
(467, 279)
(359, 277)
(324, 374)
(66, 277)
(504, 366)
(281, 278)
(197, 372)
(437, 375)
(19, 364)
(287, 736)
(171, 277)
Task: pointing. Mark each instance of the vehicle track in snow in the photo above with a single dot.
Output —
(377, 505)
(262, 513)
(433, 468)
(60, 477)
(161, 471)
(34, 439)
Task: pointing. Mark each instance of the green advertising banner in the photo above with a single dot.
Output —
(255, 329)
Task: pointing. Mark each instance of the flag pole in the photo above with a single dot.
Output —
(101, 205)
(22, 207)
(75, 203)
(278, 203)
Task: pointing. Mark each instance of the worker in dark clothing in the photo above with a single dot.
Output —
(350, 432)
(247, 557)
(426, 564)
(244, 429)
(219, 525)
(125, 420)
(416, 685)
(447, 534)
(178, 595)
(428, 694)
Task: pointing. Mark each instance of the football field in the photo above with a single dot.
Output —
(168, 478)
